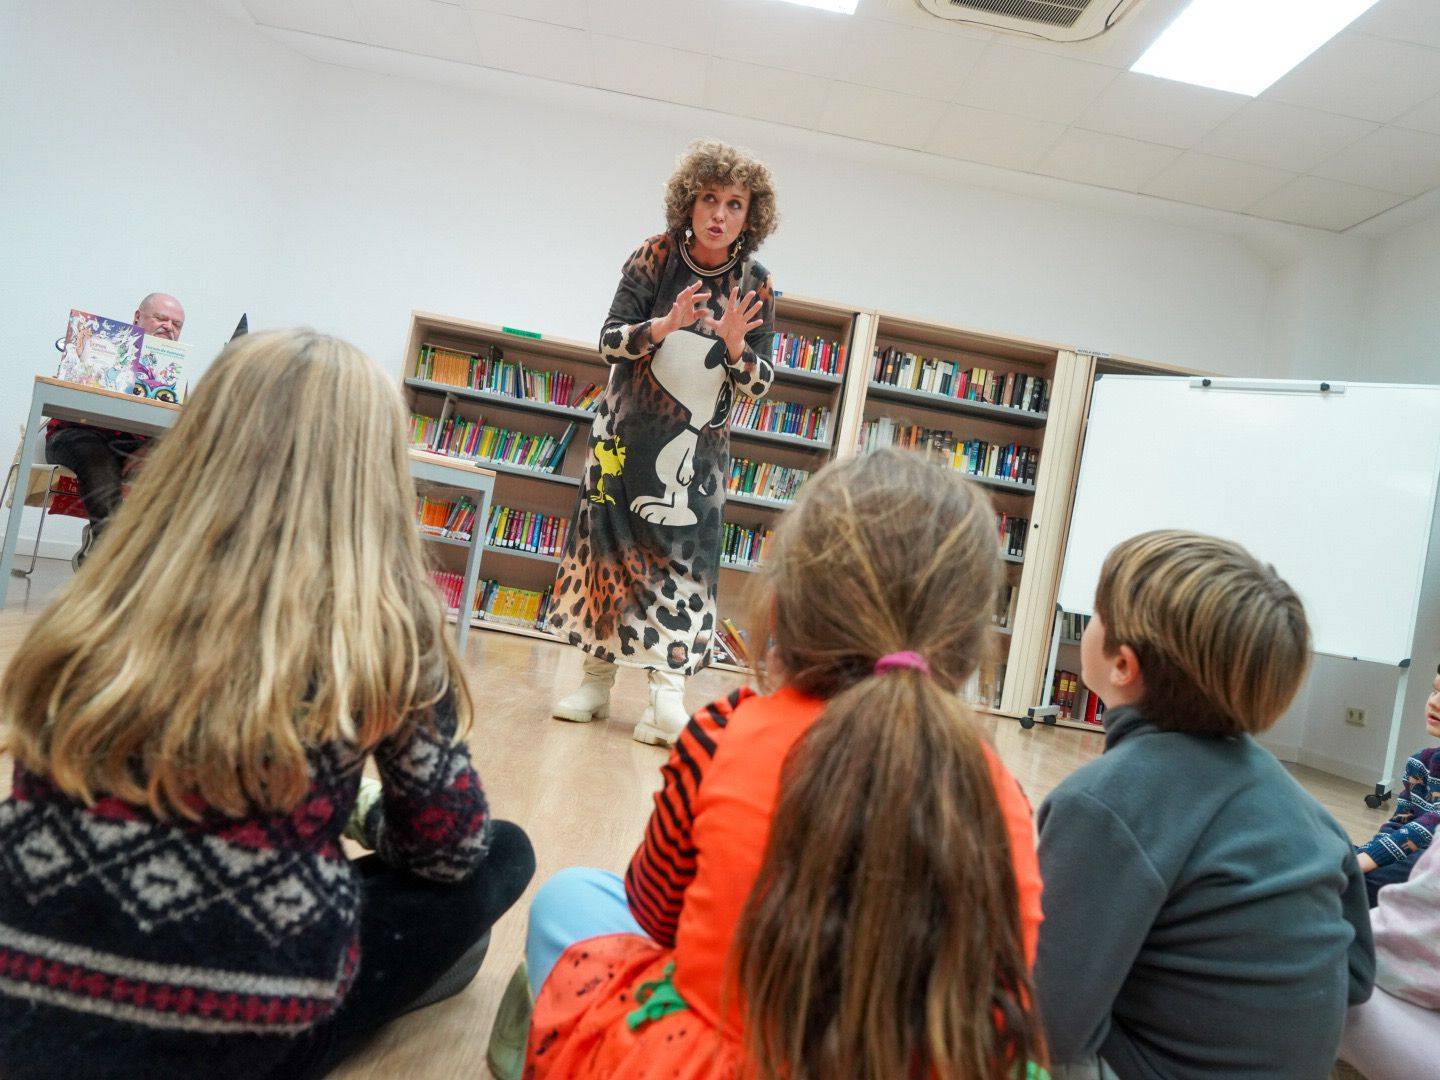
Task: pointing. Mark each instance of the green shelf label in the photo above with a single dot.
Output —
(521, 333)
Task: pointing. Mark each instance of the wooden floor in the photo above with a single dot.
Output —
(582, 792)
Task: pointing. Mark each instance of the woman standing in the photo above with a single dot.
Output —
(691, 323)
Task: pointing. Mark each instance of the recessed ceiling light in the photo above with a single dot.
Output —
(844, 7)
(1244, 46)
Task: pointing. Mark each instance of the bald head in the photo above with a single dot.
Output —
(160, 315)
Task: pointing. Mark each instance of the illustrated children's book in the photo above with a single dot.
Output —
(115, 355)
(100, 352)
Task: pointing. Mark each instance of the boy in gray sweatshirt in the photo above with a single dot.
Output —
(1204, 915)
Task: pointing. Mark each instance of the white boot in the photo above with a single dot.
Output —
(665, 717)
(592, 700)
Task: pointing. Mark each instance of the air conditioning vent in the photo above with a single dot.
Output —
(1056, 20)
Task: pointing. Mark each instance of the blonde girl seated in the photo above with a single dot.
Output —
(189, 720)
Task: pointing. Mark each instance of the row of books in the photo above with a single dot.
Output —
(781, 417)
(1074, 701)
(447, 517)
(1011, 389)
(976, 457)
(496, 375)
(527, 530)
(740, 544)
(808, 354)
(1072, 625)
(1005, 606)
(765, 479)
(730, 644)
(1013, 531)
(458, 436)
(985, 687)
(493, 601)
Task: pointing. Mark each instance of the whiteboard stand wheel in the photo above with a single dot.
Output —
(1379, 797)
(1050, 719)
(1027, 722)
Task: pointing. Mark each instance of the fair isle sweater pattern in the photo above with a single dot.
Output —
(218, 925)
(1417, 813)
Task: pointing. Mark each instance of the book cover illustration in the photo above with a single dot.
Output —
(100, 352)
(159, 369)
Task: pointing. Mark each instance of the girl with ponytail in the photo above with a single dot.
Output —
(839, 878)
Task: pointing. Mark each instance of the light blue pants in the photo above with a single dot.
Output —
(576, 904)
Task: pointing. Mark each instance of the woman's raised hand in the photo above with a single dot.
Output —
(688, 309)
(740, 317)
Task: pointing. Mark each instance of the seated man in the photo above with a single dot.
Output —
(96, 456)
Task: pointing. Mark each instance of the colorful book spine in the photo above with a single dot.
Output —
(744, 546)
(496, 602)
(808, 354)
(782, 418)
(765, 479)
(948, 378)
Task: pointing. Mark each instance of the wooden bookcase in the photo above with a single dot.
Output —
(1017, 680)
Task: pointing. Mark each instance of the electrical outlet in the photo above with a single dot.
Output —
(1355, 717)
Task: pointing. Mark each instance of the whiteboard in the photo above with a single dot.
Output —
(1335, 489)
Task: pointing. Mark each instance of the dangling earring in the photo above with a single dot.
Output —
(739, 245)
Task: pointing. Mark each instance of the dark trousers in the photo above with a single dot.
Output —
(1390, 874)
(412, 933)
(97, 458)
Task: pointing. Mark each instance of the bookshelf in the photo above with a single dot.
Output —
(790, 437)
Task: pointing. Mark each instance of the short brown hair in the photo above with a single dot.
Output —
(1221, 638)
(709, 161)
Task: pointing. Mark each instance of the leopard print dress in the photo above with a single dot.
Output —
(637, 583)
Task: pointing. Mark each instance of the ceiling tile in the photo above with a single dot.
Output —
(1033, 84)
(862, 112)
(1425, 117)
(333, 18)
(1358, 75)
(1092, 157)
(890, 56)
(1284, 136)
(1391, 159)
(1216, 182)
(425, 27)
(783, 97)
(650, 71)
(561, 12)
(993, 138)
(1416, 21)
(542, 49)
(681, 24)
(1324, 204)
(781, 36)
(1160, 110)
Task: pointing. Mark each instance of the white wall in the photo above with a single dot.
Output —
(1355, 308)
(155, 145)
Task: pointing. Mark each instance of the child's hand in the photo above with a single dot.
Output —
(1366, 863)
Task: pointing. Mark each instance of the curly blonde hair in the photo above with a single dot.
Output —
(709, 161)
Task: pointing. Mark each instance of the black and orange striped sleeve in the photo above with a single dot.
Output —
(664, 864)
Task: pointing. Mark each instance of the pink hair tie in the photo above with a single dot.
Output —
(897, 660)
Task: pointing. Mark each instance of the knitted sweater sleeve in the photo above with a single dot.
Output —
(432, 818)
(664, 865)
(1412, 828)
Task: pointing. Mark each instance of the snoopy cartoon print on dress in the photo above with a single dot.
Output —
(691, 369)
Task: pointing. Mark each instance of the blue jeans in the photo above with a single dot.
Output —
(576, 904)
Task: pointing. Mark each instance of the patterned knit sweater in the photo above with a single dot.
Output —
(1417, 813)
(219, 926)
